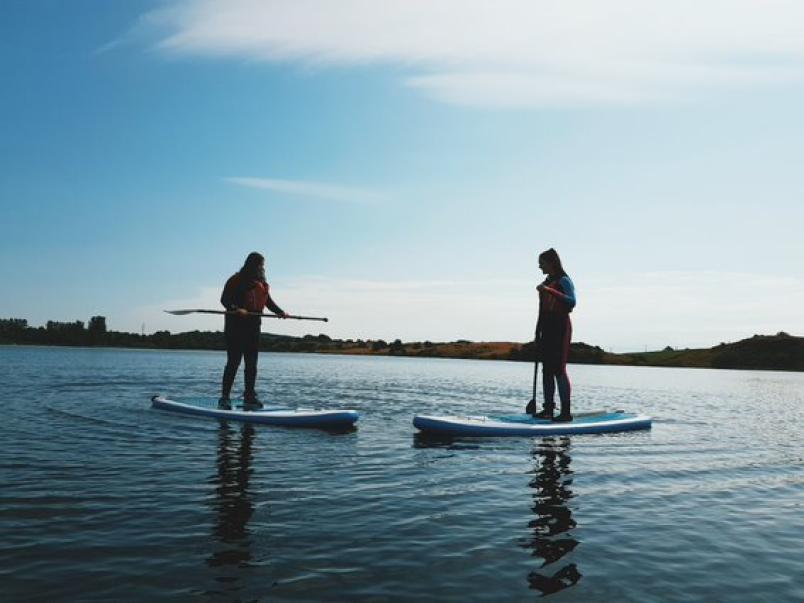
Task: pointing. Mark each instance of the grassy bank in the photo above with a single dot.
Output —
(766, 352)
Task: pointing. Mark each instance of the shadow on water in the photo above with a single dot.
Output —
(232, 503)
(551, 539)
(335, 431)
(426, 440)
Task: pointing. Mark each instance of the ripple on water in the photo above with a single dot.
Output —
(103, 498)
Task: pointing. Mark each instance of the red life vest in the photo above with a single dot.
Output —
(256, 297)
(550, 304)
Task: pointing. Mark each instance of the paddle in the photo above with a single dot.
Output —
(530, 408)
(185, 312)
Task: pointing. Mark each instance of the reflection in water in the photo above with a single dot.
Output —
(232, 502)
(551, 540)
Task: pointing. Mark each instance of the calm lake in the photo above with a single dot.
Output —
(103, 498)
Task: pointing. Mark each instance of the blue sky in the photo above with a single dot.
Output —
(402, 164)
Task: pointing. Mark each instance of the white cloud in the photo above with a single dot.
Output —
(625, 312)
(411, 310)
(418, 310)
(154, 317)
(511, 52)
(302, 188)
(686, 308)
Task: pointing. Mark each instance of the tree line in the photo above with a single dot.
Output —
(768, 352)
(96, 333)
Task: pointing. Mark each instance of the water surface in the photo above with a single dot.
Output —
(103, 498)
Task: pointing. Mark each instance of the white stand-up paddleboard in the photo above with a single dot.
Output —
(287, 417)
(526, 425)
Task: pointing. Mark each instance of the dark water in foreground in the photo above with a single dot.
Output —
(103, 498)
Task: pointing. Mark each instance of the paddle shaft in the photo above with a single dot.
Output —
(530, 407)
(183, 312)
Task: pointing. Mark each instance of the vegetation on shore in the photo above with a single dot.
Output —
(768, 352)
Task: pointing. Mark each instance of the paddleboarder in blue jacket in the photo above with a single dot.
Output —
(245, 293)
(553, 334)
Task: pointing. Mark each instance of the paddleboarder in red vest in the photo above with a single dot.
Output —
(245, 292)
(553, 334)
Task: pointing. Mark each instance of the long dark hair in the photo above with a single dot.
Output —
(252, 268)
(551, 256)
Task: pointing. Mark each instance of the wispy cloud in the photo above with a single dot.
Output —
(686, 308)
(364, 308)
(302, 188)
(511, 53)
(625, 312)
(423, 309)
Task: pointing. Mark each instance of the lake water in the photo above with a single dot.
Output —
(103, 498)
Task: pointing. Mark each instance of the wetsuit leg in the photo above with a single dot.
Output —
(564, 392)
(250, 354)
(564, 386)
(556, 334)
(549, 387)
(234, 351)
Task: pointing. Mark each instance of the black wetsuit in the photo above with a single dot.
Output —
(554, 333)
(242, 333)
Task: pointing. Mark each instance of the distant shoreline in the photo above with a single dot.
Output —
(780, 352)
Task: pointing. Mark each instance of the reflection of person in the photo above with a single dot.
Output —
(551, 538)
(232, 502)
(553, 334)
(245, 292)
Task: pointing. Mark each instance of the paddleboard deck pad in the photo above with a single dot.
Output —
(286, 417)
(526, 425)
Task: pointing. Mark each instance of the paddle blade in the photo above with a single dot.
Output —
(180, 312)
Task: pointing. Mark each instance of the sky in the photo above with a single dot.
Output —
(401, 164)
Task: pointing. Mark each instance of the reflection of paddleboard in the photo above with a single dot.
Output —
(526, 425)
(288, 417)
